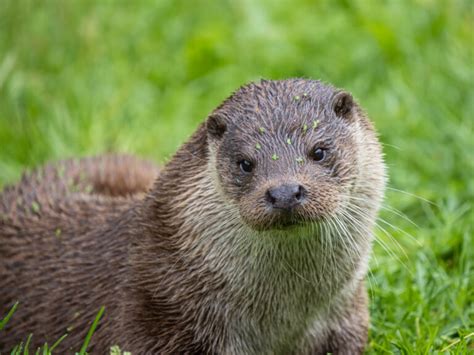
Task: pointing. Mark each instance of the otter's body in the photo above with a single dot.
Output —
(253, 239)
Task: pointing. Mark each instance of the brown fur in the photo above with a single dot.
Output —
(200, 263)
(50, 259)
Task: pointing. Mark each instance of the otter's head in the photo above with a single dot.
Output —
(294, 152)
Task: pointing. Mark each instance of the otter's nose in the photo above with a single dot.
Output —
(286, 197)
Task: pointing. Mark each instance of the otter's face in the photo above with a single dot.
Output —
(287, 154)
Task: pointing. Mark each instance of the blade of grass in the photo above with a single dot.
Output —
(17, 349)
(91, 331)
(57, 343)
(456, 341)
(26, 350)
(46, 349)
(5, 320)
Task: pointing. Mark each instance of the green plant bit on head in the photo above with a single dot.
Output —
(262, 130)
(275, 157)
(57, 232)
(300, 160)
(258, 146)
(305, 128)
(288, 141)
(296, 98)
(35, 207)
(315, 124)
(305, 95)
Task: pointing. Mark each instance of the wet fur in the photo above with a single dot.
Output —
(177, 268)
(61, 255)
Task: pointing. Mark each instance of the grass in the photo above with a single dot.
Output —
(81, 78)
(10, 313)
(91, 331)
(21, 349)
(24, 349)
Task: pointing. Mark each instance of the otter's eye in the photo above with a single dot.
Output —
(319, 154)
(246, 166)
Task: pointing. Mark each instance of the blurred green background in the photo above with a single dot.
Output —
(84, 77)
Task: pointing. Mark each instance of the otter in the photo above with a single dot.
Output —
(253, 239)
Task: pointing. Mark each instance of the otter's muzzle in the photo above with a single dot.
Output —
(285, 197)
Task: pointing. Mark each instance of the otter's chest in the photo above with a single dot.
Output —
(278, 289)
(276, 319)
(274, 306)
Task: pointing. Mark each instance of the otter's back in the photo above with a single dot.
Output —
(61, 245)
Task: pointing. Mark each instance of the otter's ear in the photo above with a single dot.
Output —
(343, 104)
(216, 126)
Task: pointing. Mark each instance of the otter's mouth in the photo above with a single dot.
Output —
(286, 223)
(281, 222)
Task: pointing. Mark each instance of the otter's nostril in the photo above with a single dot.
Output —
(270, 197)
(300, 194)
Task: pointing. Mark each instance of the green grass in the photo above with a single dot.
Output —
(24, 349)
(82, 77)
(10, 313)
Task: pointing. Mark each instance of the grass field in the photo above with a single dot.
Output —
(82, 77)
